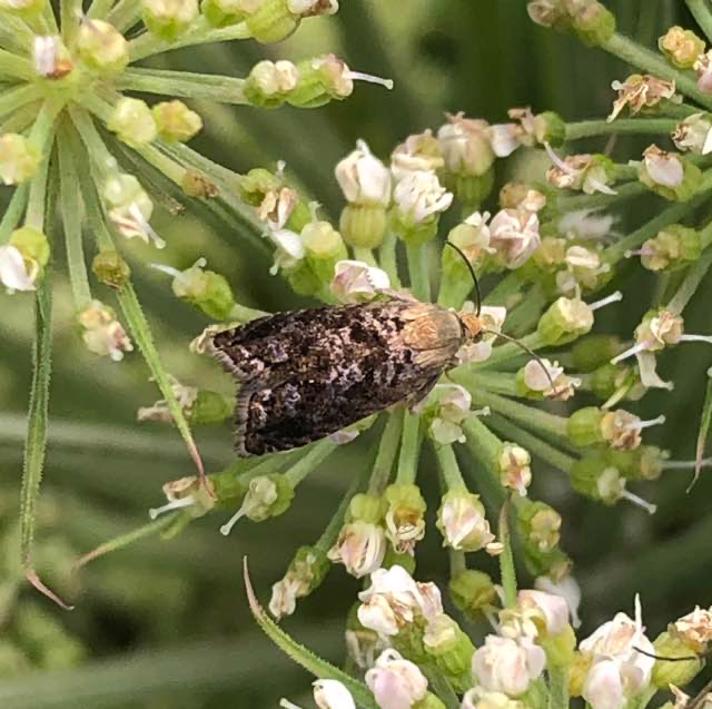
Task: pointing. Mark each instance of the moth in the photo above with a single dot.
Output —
(309, 373)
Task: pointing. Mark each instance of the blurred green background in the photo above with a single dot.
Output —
(164, 624)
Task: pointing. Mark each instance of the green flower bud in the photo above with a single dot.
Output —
(555, 563)
(404, 516)
(650, 462)
(430, 701)
(395, 558)
(550, 128)
(583, 427)
(594, 477)
(133, 122)
(681, 47)
(111, 269)
(269, 84)
(679, 673)
(305, 573)
(611, 378)
(539, 523)
(175, 121)
(324, 247)
(197, 184)
(470, 190)
(462, 522)
(255, 185)
(593, 351)
(367, 508)
(549, 13)
(271, 21)
(267, 496)
(675, 247)
(560, 648)
(228, 488)
(452, 650)
(321, 80)
(564, 321)
(221, 13)
(669, 175)
(32, 244)
(593, 23)
(19, 159)
(210, 407)
(168, 19)
(472, 592)
(102, 47)
(206, 290)
(363, 226)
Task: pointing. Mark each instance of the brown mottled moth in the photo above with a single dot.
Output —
(309, 373)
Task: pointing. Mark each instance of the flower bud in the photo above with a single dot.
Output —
(51, 58)
(23, 258)
(419, 152)
(324, 248)
(130, 208)
(449, 646)
(269, 84)
(465, 146)
(19, 159)
(271, 20)
(508, 666)
(519, 195)
(332, 694)
(514, 467)
(305, 573)
(539, 524)
(514, 236)
(363, 226)
(549, 13)
(102, 47)
(267, 496)
(587, 173)
(592, 351)
(641, 91)
(133, 122)
(535, 381)
(206, 290)
(396, 682)
(175, 121)
(111, 269)
(681, 47)
(103, 333)
(564, 321)
(447, 407)
(694, 134)
(676, 246)
(222, 13)
(168, 19)
(680, 672)
(593, 23)
(462, 522)
(321, 80)
(472, 237)
(419, 200)
(472, 592)
(670, 175)
(405, 516)
(591, 476)
(363, 178)
(360, 547)
(356, 281)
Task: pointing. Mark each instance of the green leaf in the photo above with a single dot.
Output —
(704, 429)
(319, 667)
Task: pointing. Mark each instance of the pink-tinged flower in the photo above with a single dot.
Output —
(506, 665)
(332, 694)
(618, 671)
(536, 379)
(504, 138)
(703, 67)
(418, 153)
(396, 683)
(363, 178)
(566, 587)
(290, 249)
(493, 317)
(420, 197)
(465, 145)
(360, 548)
(277, 206)
(514, 467)
(394, 600)
(514, 234)
(694, 133)
(283, 601)
(695, 628)
(130, 208)
(103, 333)
(356, 281)
(663, 168)
(639, 92)
(451, 406)
(462, 522)
(588, 173)
(17, 274)
(550, 611)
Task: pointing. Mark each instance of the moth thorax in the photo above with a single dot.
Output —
(473, 325)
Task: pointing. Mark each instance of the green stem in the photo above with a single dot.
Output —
(418, 271)
(99, 155)
(13, 213)
(310, 461)
(202, 33)
(211, 87)
(387, 255)
(37, 200)
(532, 443)
(633, 53)
(99, 9)
(508, 286)
(506, 559)
(700, 10)
(558, 687)
(690, 284)
(387, 449)
(17, 97)
(449, 467)
(597, 201)
(15, 67)
(510, 350)
(410, 448)
(498, 382)
(635, 126)
(70, 14)
(365, 255)
(71, 210)
(124, 14)
(458, 562)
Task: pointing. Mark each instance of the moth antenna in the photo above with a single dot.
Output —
(662, 658)
(530, 352)
(471, 269)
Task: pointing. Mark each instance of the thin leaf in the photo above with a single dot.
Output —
(506, 559)
(319, 667)
(704, 429)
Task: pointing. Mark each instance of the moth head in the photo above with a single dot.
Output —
(472, 326)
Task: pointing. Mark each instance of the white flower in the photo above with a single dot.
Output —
(586, 224)
(284, 597)
(479, 698)
(290, 249)
(332, 694)
(356, 281)
(663, 168)
(694, 133)
(703, 67)
(396, 683)
(568, 589)
(363, 178)
(504, 138)
(695, 628)
(103, 333)
(506, 665)
(308, 8)
(50, 57)
(492, 317)
(360, 548)
(514, 234)
(618, 670)
(419, 196)
(552, 610)
(465, 145)
(394, 600)
(16, 274)
(536, 379)
(462, 522)
(277, 206)
(514, 467)
(452, 407)
(419, 152)
(130, 208)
